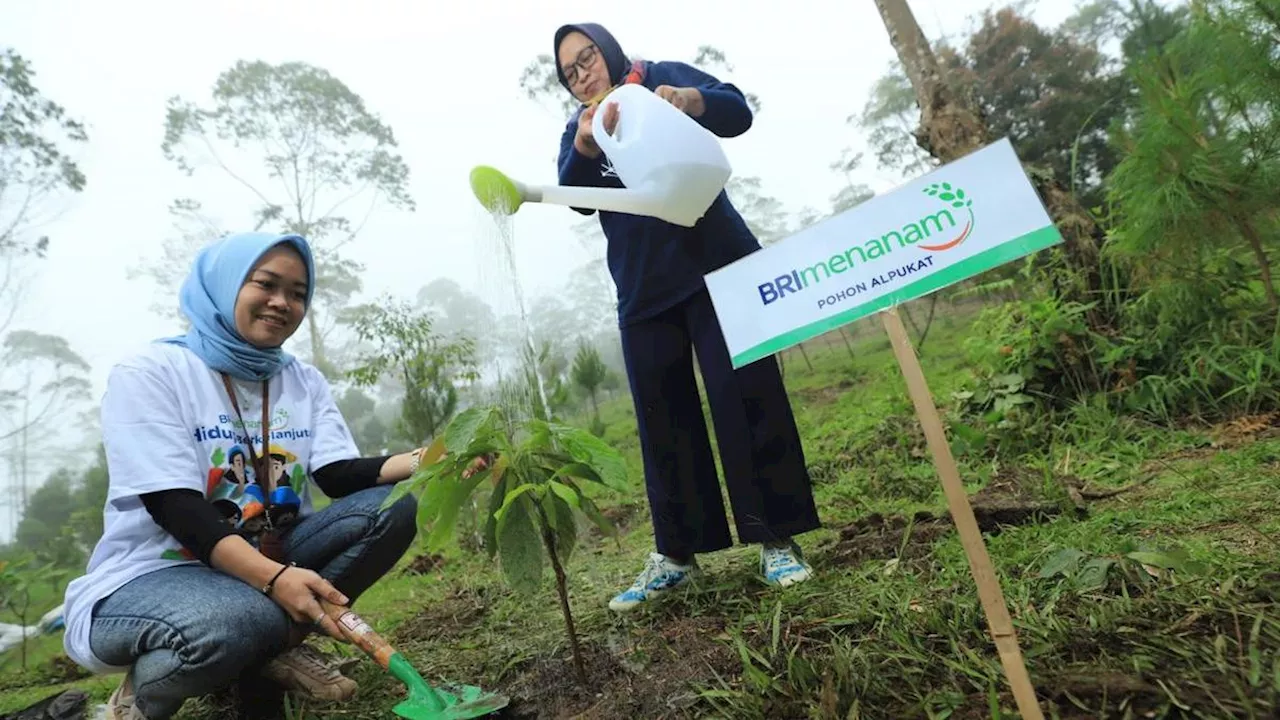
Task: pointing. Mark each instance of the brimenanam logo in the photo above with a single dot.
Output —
(936, 232)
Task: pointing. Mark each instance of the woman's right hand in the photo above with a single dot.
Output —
(585, 140)
(296, 591)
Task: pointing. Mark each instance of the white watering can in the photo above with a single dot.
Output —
(672, 167)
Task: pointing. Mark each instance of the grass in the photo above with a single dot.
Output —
(891, 626)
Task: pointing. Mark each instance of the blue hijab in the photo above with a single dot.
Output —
(208, 299)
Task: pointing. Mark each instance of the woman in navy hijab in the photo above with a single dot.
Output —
(666, 316)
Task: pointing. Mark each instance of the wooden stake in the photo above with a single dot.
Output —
(984, 575)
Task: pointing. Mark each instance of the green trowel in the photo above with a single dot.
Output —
(424, 702)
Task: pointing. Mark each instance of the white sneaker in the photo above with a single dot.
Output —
(784, 566)
(659, 575)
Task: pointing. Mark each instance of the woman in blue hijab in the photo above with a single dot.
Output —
(185, 598)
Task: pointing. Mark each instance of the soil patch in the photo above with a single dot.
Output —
(621, 516)
(629, 679)
(454, 615)
(826, 394)
(424, 564)
(1010, 499)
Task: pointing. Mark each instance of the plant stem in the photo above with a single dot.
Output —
(562, 588)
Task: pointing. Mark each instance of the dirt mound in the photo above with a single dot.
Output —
(1010, 499)
(627, 679)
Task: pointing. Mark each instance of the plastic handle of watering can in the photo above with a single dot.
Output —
(628, 126)
(620, 200)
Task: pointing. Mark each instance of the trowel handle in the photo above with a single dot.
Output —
(355, 629)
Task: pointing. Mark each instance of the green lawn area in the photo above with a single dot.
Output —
(891, 626)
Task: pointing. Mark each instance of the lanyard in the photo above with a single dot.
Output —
(260, 469)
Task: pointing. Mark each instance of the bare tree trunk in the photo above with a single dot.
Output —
(928, 321)
(1250, 233)
(847, 345)
(951, 127)
(805, 355)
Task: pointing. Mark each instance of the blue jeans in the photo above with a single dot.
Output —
(191, 630)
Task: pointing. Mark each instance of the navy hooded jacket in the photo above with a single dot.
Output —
(656, 264)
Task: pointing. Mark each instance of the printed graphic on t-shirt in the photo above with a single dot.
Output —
(232, 485)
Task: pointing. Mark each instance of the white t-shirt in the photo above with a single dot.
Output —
(167, 423)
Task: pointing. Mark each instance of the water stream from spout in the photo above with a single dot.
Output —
(499, 240)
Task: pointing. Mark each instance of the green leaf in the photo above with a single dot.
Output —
(465, 427)
(959, 193)
(217, 457)
(565, 492)
(946, 186)
(1093, 576)
(581, 471)
(398, 491)
(566, 526)
(588, 507)
(1161, 560)
(432, 454)
(496, 498)
(455, 495)
(519, 547)
(591, 450)
(513, 496)
(549, 510)
(433, 494)
(946, 197)
(1065, 562)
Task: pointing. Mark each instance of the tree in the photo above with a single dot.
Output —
(41, 377)
(852, 194)
(406, 346)
(588, 373)
(321, 148)
(168, 270)
(36, 134)
(1202, 158)
(592, 299)
(361, 413)
(44, 526)
(951, 126)
(536, 484)
(890, 118)
(765, 216)
(33, 165)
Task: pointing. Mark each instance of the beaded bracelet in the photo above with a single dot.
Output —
(266, 589)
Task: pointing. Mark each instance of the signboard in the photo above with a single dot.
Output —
(960, 220)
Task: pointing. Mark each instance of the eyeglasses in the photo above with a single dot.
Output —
(585, 57)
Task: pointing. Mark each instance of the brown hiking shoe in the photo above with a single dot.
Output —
(120, 705)
(305, 671)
